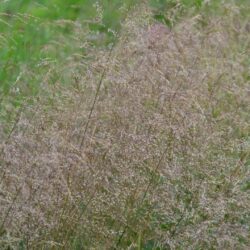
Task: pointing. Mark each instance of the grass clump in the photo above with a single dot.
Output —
(155, 155)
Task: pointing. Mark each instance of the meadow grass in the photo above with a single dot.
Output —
(36, 35)
(132, 137)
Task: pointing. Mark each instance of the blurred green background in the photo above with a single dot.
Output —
(26, 26)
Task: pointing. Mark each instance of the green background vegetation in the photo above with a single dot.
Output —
(27, 26)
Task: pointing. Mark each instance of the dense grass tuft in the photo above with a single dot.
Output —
(147, 146)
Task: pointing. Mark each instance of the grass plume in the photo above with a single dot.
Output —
(165, 160)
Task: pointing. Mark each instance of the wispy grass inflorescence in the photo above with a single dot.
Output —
(155, 154)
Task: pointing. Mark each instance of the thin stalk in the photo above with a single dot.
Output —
(96, 96)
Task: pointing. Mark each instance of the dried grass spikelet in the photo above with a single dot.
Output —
(156, 150)
(156, 35)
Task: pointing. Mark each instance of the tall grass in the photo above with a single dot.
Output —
(146, 147)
